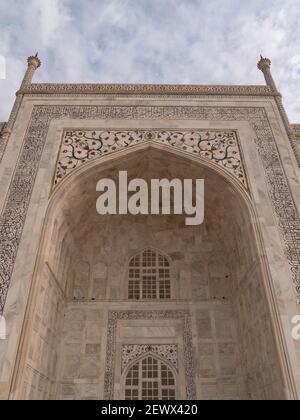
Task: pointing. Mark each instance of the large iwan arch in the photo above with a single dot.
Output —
(224, 305)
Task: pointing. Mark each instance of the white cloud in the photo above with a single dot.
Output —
(51, 16)
(170, 41)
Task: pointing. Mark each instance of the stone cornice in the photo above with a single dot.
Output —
(146, 89)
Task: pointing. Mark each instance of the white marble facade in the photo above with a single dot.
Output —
(224, 330)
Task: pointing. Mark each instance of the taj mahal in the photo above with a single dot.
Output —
(145, 306)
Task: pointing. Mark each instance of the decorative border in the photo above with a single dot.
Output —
(3, 141)
(115, 316)
(295, 141)
(14, 212)
(141, 89)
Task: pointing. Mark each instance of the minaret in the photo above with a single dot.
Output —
(33, 63)
(264, 65)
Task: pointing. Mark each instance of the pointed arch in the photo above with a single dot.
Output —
(150, 377)
(106, 160)
(71, 184)
(149, 276)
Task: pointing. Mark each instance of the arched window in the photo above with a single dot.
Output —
(149, 276)
(150, 379)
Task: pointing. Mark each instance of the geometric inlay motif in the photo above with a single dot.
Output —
(132, 352)
(79, 147)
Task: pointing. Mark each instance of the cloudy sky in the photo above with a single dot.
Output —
(152, 41)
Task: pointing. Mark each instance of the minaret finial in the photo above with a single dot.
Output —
(34, 61)
(263, 63)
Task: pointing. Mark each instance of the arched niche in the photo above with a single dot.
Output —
(220, 276)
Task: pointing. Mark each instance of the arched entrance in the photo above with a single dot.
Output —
(84, 322)
(149, 378)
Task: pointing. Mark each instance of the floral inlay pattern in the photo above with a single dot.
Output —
(132, 352)
(220, 147)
